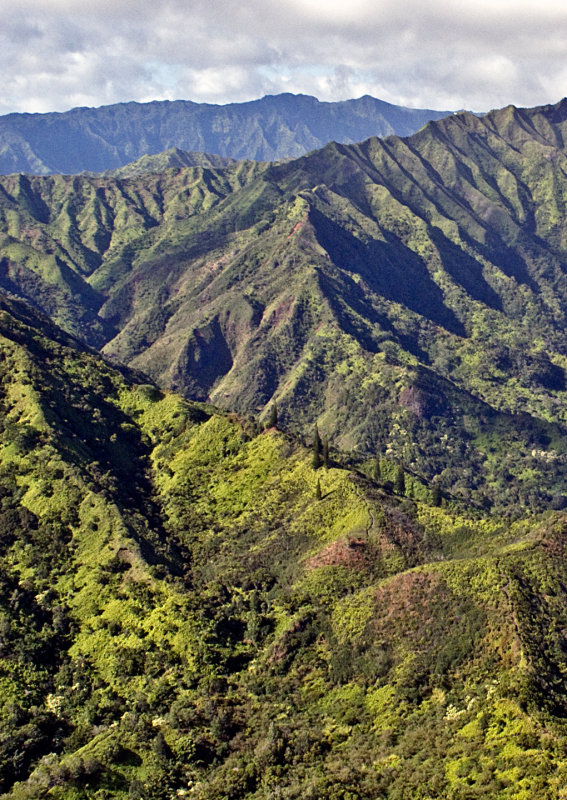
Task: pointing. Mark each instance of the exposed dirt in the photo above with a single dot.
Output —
(351, 553)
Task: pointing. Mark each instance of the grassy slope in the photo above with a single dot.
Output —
(173, 158)
(179, 612)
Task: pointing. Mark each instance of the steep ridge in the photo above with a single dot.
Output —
(274, 127)
(188, 607)
(410, 294)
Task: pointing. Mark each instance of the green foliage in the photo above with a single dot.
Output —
(317, 447)
(273, 418)
(179, 616)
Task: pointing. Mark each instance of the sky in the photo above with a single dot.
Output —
(440, 54)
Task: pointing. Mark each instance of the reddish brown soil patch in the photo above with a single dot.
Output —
(554, 538)
(416, 401)
(350, 553)
(296, 227)
(410, 603)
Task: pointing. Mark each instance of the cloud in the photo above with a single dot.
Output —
(56, 54)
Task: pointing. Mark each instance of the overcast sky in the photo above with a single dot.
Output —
(443, 54)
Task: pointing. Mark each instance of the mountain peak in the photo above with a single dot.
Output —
(271, 128)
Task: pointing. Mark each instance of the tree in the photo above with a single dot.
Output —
(436, 496)
(326, 452)
(273, 418)
(400, 481)
(316, 448)
(377, 470)
(318, 494)
(161, 748)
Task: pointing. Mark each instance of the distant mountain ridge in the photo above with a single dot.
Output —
(271, 128)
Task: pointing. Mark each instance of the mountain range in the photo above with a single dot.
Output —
(191, 606)
(275, 127)
(408, 294)
(283, 468)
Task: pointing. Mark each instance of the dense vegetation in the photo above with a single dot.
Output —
(409, 295)
(353, 586)
(194, 607)
(275, 127)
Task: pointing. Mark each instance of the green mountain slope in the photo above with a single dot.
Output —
(181, 615)
(170, 159)
(274, 127)
(407, 293)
